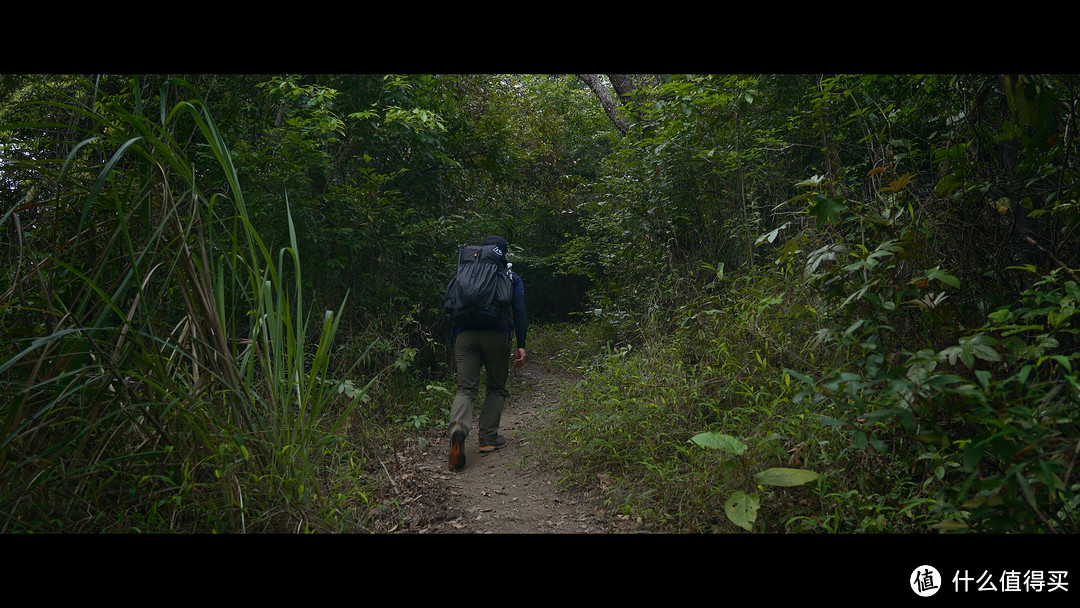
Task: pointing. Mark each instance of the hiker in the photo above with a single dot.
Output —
(488, 347)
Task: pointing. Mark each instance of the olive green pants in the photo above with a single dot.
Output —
(473, 349)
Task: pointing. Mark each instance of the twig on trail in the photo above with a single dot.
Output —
(383, 465)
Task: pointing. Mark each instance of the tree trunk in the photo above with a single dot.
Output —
(621, 82)
(623, 86)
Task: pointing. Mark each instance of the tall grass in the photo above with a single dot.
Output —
(158, 374)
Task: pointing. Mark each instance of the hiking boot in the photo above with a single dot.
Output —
(457, 448)
(488, 445)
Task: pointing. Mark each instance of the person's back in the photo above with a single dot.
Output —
(486, 346)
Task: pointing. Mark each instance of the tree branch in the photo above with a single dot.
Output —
(606, 100)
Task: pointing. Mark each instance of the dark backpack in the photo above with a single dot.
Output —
(478, 297)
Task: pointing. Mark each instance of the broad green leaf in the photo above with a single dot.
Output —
(859, 442)
(741, 508)
(827, 209)
(719, 441)
(973, 454)
(811, 182)
(950, 525)
(979, 345)
(779, 476)
(944, 277)
(770, 236)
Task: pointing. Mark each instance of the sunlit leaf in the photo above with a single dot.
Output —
(719, 441)
(779, 476)
(741, 508)
(940, 275)
(811, 182)
(1025, 267)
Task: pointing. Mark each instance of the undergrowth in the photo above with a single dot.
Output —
(854, 387)
(726, 368)
(631, 417)
(169, 376)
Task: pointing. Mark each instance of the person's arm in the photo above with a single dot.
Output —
(521, 320)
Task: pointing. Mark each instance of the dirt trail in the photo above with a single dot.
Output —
(503, 492)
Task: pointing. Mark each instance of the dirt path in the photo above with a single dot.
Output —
(508, 491)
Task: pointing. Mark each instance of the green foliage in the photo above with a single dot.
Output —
(569, 346)
(742, 506)
(927, 385)
(865, 276)
(628, 418)
(342, 150)
(173, 369)
(992, 403)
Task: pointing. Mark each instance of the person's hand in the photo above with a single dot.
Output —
(519, 357)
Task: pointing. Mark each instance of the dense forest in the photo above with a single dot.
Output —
(789, 303)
